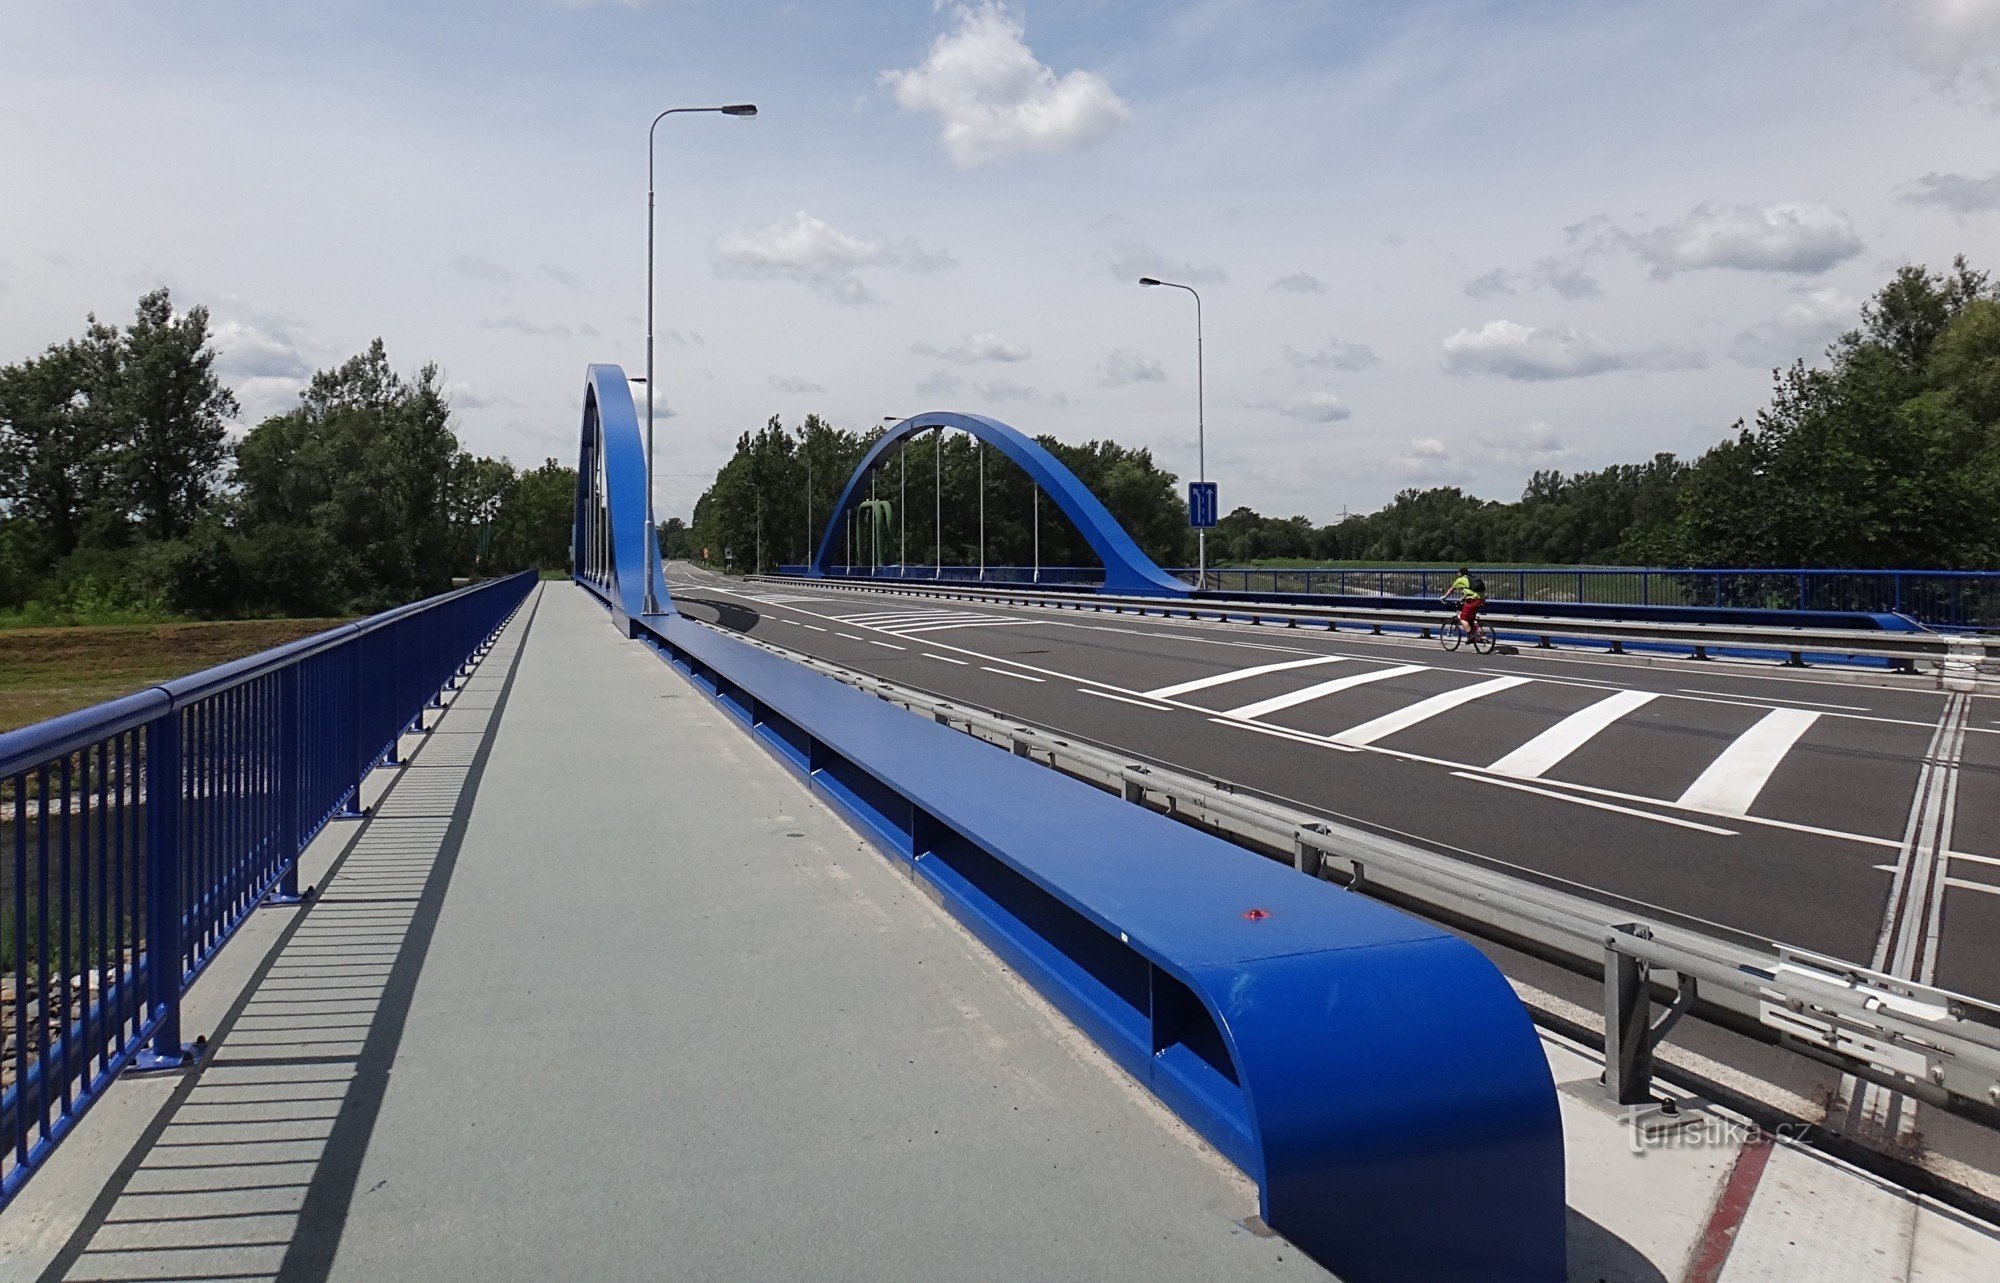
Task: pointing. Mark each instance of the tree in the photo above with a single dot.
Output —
(176, 413)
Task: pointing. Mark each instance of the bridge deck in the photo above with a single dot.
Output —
(609, 996)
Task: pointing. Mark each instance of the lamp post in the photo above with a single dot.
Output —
(1200, 429)
(652, 529)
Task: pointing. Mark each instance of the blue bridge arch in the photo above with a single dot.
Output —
(1127, 569)
(612, 553)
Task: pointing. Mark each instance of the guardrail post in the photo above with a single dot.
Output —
(290, 746)
(1628, 1009)
(163, 895)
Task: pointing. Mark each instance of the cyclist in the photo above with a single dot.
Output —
(1471, 592)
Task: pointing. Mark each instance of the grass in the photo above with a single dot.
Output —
(45, 672)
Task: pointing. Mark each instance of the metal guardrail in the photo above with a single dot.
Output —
(1939, 1047)
(1957, 658)
(137, 835)
(1373, 1074)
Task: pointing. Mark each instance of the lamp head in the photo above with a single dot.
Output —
(740, 109)
(1147, 280)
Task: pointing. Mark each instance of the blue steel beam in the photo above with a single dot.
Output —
(614, 556)
(1126, 568)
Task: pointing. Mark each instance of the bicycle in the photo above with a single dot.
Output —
(1451, 635)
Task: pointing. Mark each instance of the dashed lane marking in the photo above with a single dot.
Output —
(946, 659)
(1019, 677)
(884, 645)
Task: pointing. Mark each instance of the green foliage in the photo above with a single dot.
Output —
(116, 498)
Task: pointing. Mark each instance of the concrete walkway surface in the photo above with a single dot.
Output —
(600, 992)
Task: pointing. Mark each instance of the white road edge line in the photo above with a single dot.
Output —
(1279, 732)
(1593, 802)
(1019, 677)
(1766, 699)
(1123, 699)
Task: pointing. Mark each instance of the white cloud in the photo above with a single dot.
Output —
(1314, 407)
(250, 350)
(1775, 238)
(793, 385)
(1961, 193)
(1299, 283)
(974, 348)
(1427, 459)
(813, 253)
(1567, 278)
(1131, 260)
(1124, 366)
(995, 99)
(1336, 355)
(463, 396)
(1954, 42)
(1536, 444)
(1496, 282)
(1529, 353)
(1801, 329)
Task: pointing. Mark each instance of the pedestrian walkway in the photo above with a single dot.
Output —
(600, 992)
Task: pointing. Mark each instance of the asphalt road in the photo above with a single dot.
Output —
(1775, 803)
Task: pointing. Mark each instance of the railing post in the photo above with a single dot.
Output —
(290, 746)
(1628, 1008)
(163, 895)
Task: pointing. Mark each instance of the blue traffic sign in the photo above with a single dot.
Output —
(1201, 505)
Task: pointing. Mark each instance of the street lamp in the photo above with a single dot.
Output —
(652, 529)
(1200, 429)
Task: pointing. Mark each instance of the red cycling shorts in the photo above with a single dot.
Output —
(1467, 609)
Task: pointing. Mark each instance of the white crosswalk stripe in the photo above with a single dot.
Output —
(1220, 679)
(1733, 780)
(1308, 694)
(910, 623)
(1423, 710)
(1545, 751)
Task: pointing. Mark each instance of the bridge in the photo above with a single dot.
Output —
(530, 932)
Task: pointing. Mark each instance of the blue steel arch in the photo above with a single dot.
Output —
(1126, 569)
(611, 552)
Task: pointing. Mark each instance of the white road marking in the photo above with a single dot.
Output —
(1300, 737)
(1733, 780)
(1423, 710)
(850, 637)
(1592, 802)
(1976, 859)
(1809, 703)
(815, 627)
(1964, 885)
(1124, 699)
(964, 623)
(884, 645)
(947, 659)
(911, 616)
(1019, 677)
(1543, 752)
(1237, 675)
(1310, 693)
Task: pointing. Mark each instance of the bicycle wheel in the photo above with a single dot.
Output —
(1450, 635)
(1485, 641)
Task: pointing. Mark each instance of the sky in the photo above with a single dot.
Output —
(1436, 243)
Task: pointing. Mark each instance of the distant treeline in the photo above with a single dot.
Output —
(1887, 454)
(121, 494)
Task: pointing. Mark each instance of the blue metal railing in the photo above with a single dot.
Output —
(136, 835)
(1939, 598)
